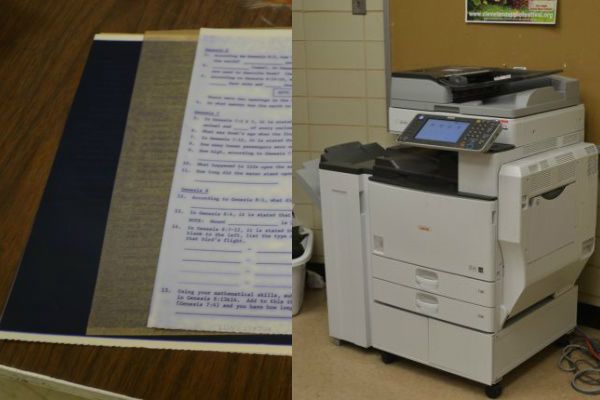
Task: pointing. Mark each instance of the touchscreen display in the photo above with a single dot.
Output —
(442, 130)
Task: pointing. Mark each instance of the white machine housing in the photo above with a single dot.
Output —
(473, 285)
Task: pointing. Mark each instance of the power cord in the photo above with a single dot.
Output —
(582, 359)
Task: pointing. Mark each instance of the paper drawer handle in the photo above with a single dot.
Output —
(427, 280)
(427, 303)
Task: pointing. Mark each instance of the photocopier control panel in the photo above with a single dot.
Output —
(451, 133)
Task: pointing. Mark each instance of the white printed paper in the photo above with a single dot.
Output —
(225, 259)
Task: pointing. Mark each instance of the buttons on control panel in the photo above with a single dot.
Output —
(451, 133)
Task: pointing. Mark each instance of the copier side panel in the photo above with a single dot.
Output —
(478, 173)
(537, 328)
(589, 284)
(345, 267)
(447, 233)
(545, 230)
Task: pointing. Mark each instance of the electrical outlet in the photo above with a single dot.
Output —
(359, 7)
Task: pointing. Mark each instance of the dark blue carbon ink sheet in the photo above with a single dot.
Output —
(52, 293)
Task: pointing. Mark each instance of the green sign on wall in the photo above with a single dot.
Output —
(512, 11)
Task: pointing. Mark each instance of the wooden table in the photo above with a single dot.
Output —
(43, 49)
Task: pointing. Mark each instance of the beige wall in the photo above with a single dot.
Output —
(338, 86)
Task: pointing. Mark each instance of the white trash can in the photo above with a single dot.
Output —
(299, 270)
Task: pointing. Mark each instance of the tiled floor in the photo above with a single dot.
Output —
(322, 370)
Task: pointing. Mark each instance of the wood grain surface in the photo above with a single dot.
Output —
(43, 49)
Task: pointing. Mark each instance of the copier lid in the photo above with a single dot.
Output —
(483, 91)
(476, 83)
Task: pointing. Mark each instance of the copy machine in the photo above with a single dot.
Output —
(460, 247)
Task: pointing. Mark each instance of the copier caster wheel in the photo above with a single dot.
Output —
(388, 358)
(493, 391)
